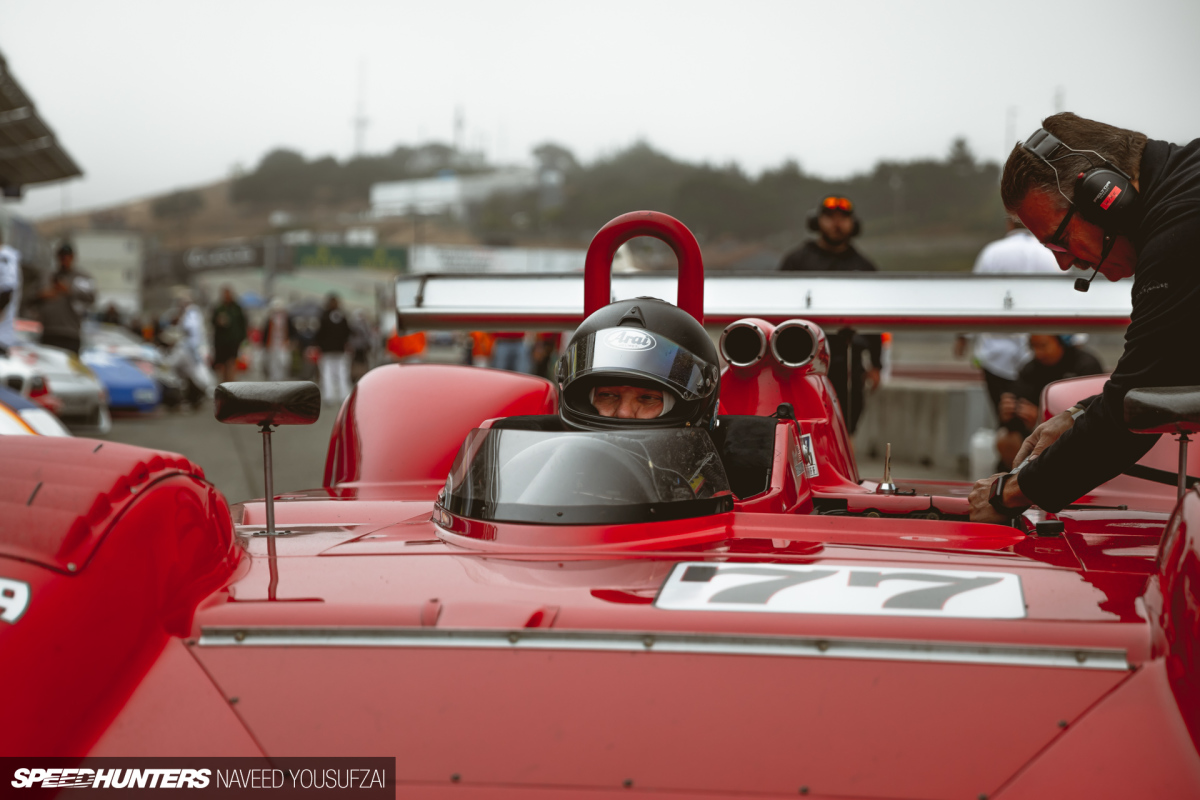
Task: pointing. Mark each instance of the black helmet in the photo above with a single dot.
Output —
(643, 342)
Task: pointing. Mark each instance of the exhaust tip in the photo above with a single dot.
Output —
(743, 344)
(793, 344)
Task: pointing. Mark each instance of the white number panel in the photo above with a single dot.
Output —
(14, 599)
(842, 589)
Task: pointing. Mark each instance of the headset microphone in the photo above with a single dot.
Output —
(1081, 284)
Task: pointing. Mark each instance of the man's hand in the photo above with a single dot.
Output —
(981, 509)
(1043, 436)
(1027, 411)
(872, 379)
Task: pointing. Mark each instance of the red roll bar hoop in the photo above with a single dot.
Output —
(597, 270)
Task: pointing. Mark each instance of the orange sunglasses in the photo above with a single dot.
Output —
(838, 204)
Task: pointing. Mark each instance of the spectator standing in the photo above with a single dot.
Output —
(186, 336)
(65, 303)
(509, 352)
(10, 294)
(111, 315)
(1054, 359)
(835, 224)
(333, 337)
(999, 357)
(362, 337)
(229, 331)
(279, 337)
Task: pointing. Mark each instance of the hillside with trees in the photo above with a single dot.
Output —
(920, 214)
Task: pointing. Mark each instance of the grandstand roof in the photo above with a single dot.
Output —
(29, 151)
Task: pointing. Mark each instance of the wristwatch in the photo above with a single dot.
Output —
(996, 497)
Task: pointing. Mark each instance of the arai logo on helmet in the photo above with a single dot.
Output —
(630, 340)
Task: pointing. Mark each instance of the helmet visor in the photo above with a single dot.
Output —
(639, 354)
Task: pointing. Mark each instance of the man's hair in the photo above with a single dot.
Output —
(1024, 172)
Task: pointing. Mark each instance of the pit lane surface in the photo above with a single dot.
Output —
(231, 455)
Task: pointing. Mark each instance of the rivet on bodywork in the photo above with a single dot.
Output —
(514, 637)
(71, 567)
(822, 645)
(803, 790)
(648, 641)
(233, 701)
(1081, 657)
(239, 636)
(628, 783)
(455, 778)
(1062, 723)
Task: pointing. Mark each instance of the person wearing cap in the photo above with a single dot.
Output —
(63, 305)
(835, 223)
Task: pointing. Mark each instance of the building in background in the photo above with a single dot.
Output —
(449, 194)
(115, 260)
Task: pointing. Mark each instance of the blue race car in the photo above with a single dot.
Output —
(128, 387)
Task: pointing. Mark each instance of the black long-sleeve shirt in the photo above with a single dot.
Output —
(334, 331)
(1161, 341)
(811, 257)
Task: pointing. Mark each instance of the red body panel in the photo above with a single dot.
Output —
(760, 389)
(102, 626)
(567, 719)
(404, 424)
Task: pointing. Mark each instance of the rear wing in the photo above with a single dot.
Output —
(867, 301)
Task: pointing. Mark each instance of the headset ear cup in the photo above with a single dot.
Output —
(857, 227)
(1104, 197)
(811, 222)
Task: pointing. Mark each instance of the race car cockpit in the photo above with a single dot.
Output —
(638, 388)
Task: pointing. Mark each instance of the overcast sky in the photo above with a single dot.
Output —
(155, 95)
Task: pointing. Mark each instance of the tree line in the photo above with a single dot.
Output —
(954, 194)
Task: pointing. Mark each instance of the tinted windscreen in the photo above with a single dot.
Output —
(587, 478)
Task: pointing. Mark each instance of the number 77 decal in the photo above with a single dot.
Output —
(932, 598)
(842, 589)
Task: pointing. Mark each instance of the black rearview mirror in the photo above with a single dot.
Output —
(268, 403)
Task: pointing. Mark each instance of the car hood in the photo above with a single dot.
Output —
(569, 666)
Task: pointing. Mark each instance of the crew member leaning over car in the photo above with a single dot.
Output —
(1145, 225)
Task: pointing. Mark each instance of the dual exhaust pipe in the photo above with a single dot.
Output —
(794, 344)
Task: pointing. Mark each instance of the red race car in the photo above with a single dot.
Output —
(520, 599)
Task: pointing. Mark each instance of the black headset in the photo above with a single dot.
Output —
(1104, 193)
(815, 214)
